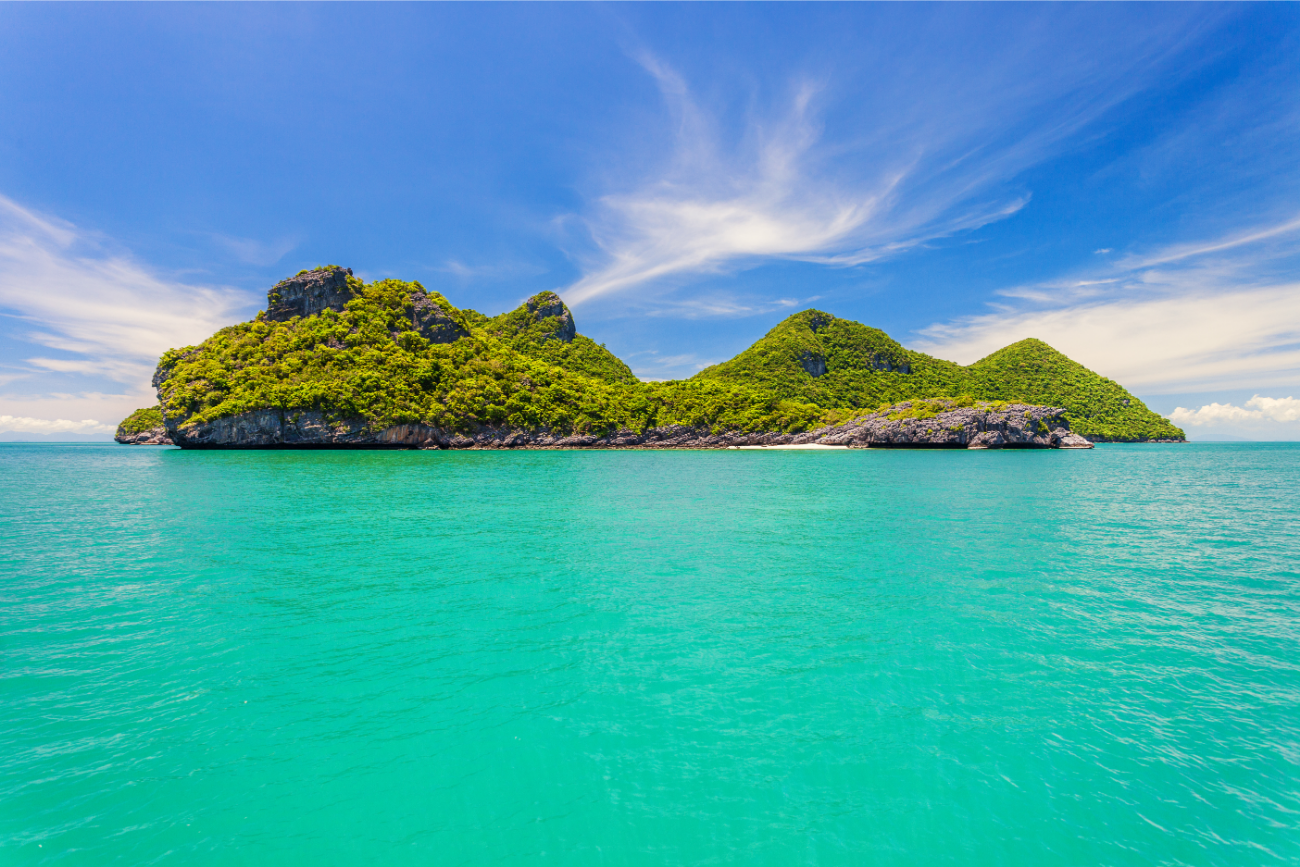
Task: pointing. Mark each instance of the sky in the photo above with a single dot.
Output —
(1121, 181)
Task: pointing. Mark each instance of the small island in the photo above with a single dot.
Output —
(334, 362)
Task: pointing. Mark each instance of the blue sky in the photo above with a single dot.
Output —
(1122, 181)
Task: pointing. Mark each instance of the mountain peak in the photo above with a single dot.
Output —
(309, 292)
(544, 316)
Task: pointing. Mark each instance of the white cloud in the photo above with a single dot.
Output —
(1200, 318)
(1261, 409)
(89, 300)
(80, 297)
(712, 211)
(855, 166)
(109, 316)
(19, 424)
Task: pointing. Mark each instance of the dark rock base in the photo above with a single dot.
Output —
(1016, 426)
(156, 436)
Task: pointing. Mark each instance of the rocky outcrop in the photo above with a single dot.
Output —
(814, 364)
(881, 362)
(281, 429)
(432, 321)
(308, 293)
(977, 427)
(942, 424)
(144, 427)
(547, 305)
(157, 436)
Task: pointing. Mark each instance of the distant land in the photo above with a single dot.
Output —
(335, 362)
(11, 436)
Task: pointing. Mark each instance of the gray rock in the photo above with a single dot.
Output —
(155, 436)
(989, 439)
(432, 322)
(1073, 441)
(983, 426)
(977, 427)
(814, 364)
(545, 305)
(309, 293)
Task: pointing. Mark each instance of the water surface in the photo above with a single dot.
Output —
(640, 658)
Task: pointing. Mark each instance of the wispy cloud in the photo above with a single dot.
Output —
(936, 163)
(79, 296)
(1190, 251)
(728, 305)
(1214, 315)
(254, 252)
(489, 270)
(653, 366)
(104, 314)
(713, 209)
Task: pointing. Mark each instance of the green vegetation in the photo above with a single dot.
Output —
(814, 357)
(141, 420)
(365, 362)
(528, 368)
(539, 337)
(1099, 408)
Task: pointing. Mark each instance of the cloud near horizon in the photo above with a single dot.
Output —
(1197, 317)
(20, 424)
(91, 313)
(1257, 410)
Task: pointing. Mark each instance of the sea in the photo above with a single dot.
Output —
(853, 657)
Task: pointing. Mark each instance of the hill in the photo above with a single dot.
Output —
(391, 353)
(332, 353)
(837, 363)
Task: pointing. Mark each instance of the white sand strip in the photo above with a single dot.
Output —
(800, 446)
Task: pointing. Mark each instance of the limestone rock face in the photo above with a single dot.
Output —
(547, 304)
(309, 293)
(1074, 441)
(815, 365)
(156, 436)
(983, 426)
(432, 321)
(285, 429)
(978, 427)
(880, 362)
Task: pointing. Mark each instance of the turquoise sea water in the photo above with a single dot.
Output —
(638, 658)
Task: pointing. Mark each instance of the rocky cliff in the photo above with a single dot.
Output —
(946, 424)
(309, 292)
(157, 436)
(144, 427)
(913, 424)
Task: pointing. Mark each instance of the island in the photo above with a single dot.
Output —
(334, 362)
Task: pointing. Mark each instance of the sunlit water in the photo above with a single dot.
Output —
(690, 658)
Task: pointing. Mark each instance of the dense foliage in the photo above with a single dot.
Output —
(528, 368)
(864, 368)
(537, 337)
(140, 421)
(365, 362)
(1097, 407)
